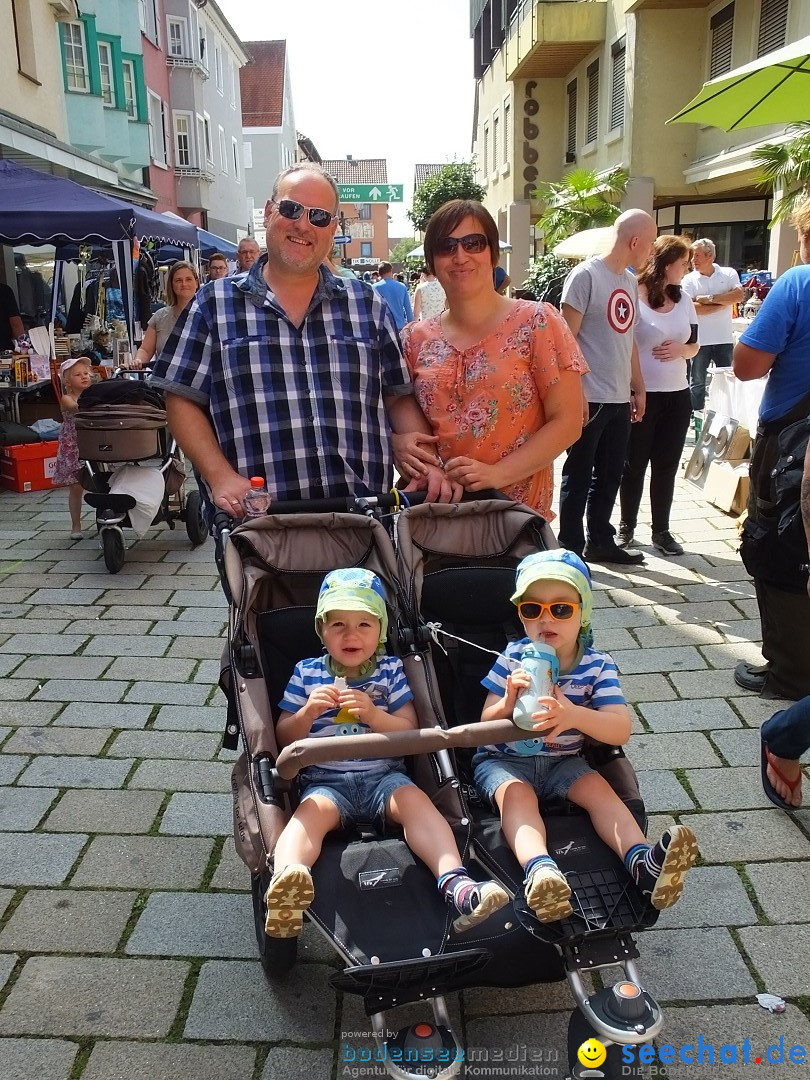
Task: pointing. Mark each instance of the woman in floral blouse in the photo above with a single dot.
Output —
(498, 379)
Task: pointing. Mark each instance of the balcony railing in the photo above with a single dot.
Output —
(194, 172)
(189, 62)
(548, 38)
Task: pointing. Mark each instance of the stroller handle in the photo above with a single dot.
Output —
(378, 744)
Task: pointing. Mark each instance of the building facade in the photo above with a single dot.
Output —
(592, 84)
(366, 223)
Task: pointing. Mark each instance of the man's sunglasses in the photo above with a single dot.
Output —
(561, 612)
(292, 211)
(473, 244)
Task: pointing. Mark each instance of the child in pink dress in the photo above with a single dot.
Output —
(76, 377)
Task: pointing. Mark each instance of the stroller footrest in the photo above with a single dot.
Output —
(386, 985)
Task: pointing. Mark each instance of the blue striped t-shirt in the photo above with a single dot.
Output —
(594, 683)
(385, 685)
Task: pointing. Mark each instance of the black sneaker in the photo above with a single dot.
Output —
(624, 537)
(666, 543)
(612, 553)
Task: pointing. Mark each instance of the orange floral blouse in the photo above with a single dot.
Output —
(487, 401)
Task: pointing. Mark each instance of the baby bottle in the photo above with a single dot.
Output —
(540, 661)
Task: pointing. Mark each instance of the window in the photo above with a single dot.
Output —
(24, 38)
(147, 17)
(364, 211)
(183, 155)
(247, 149)
(571, 131)
(721, 37)
(218, 69)
(235, 155)
(106, 73)
(234, 69)
(223, 150)
(507, 132)
(203, 48)
(496, 134)
(158, 147)
(365, 250)
(592, 126)
(130, 100)
(178, 37)
(485, 152)
(75, 58)
(617, 83)
(207, 142)
(772, 26)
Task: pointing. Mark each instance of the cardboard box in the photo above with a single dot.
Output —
(727, 485)
(29, 467)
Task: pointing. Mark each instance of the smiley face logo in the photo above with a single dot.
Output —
(592, 1054)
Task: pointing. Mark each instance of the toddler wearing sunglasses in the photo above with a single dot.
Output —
(553, 597)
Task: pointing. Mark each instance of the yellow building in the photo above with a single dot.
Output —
(590, 84)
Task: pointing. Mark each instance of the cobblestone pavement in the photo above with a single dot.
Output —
(126, 932)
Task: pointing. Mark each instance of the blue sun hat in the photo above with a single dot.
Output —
(558, 565)
(353, 589)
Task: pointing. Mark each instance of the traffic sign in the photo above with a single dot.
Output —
(370, 193)
(341, 239)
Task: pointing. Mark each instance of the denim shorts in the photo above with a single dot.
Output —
(545, 774)
(361, 795)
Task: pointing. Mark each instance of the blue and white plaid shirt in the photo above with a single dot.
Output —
(301, 406)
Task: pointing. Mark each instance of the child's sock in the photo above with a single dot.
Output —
(659, 869)
(538, 860)
(548, 894)
(473, 900)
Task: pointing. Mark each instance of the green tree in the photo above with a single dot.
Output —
(399, 252)
(454, 181)
(786, 166)
(583, 199)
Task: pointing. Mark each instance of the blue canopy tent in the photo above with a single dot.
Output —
(207, 242)
(37, 208)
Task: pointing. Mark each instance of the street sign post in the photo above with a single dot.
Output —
(370, 193)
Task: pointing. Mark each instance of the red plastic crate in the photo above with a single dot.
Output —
(29, 467)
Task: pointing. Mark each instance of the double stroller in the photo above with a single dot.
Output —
(448, 578)
(134, 472)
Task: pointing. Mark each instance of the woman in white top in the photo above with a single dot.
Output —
(666, 335)
(181, 285)
(429, 299)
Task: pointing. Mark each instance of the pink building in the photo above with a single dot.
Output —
(157, 74)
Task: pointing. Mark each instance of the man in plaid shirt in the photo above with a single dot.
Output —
(288, 372)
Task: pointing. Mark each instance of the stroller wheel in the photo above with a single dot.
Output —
(112, 544)
(614, 1066)
(277, 955)
(195, 522)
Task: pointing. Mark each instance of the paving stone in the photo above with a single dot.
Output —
(27, 713)
(781, 955)
(731, 1025)
(639, 596)
(287, 1061)
(8, 962)
(144, 862)
(38, 859)
(58, 740)
(75, 668)
(197, 598)
(128, 646)
(159, 693)
(712, 896)
(738, 747)
(166, 744)
(677, 634)
(64, 597)
(661, 791)
(5, 899)
(190, 776)
(704, 684)
(49, 644)
(32, 1059)
(154, 599)
(10, 662)
(232, 874)
(105, 812)
(641, 661)
(731, 590)
(211, 628)
(68, 921)
(182, 924)
(675, 969)
(189, 718)
(756, 710)
(15, 690)
(748, 608)
(610, 618)
(234, 1001)
(743, 630)
(104, 715)
(207, 672)
(203, 648)
(10, 767)
(782, 890)
(14, 595)
(747, 836)
(77, 772)
(65, 690)
(124, 583)
(540, 997)
(118, 612)
(199, 815)
(163, 1061)
(541, 1037)
(22, 809)
(111, 628)
(729, 655)
(728, 789)
(58, 995)
(151, 669)
(647, 688)
(710, 612)
(684, 750)
(692, 715)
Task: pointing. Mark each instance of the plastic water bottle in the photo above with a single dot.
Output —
(257, 500)
(540, 661)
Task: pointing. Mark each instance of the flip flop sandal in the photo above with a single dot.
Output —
(680, 858)
(289, 894)
(492, 898)
(548, 894)
(766, 759)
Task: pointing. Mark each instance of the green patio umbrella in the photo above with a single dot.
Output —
(772, 90)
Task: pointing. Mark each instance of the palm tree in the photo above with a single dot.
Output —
(583, 199)
(787, 166)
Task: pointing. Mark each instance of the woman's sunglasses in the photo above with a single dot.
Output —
(473, 244)
(292, 211)
(561, 612)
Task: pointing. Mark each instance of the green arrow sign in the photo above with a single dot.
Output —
(370, 193)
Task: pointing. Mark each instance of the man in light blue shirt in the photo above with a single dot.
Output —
(395, 294)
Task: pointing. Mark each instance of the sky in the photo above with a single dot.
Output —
(379, 79)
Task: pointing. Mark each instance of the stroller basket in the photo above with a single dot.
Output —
(117, 433)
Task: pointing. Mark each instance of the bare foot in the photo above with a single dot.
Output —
(791, 772)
